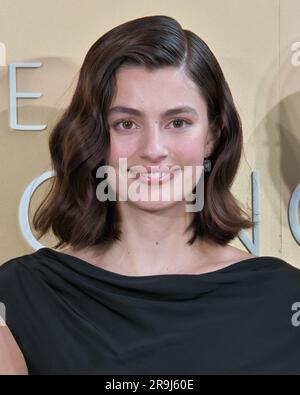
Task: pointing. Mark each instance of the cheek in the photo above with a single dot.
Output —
(191, 151)
(120, 149)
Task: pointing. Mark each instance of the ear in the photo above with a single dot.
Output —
(212, 138)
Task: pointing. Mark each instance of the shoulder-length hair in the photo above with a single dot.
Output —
(79, 142)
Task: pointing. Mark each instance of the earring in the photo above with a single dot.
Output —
(207, 165)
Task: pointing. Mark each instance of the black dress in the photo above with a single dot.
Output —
(71, 317)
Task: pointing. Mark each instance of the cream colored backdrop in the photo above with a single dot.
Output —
(252, 40)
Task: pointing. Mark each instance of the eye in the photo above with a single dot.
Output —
(179, 122)
(125, 122)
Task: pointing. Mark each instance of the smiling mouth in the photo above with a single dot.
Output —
(153, 178)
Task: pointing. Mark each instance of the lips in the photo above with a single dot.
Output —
(153, 169)
(151, 179)
(153, 175)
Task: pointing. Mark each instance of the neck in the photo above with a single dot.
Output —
(154, 242)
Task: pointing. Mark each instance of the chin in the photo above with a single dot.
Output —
(154, 206)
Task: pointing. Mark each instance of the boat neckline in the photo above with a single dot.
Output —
(100, 270)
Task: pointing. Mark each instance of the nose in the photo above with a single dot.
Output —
(153, 147)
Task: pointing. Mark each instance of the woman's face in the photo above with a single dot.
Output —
(150, 136)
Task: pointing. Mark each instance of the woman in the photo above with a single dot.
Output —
(147, 286)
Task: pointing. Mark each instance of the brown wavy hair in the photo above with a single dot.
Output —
(79, 141)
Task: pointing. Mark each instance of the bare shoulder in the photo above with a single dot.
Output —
(12, 361)
(227, 255)
(237, 254)
(234, 255)
(85, 253)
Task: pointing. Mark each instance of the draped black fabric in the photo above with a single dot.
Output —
(71, 317)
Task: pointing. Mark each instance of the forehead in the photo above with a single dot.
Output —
(165, 87)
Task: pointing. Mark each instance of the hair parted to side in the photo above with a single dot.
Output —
(79, 142)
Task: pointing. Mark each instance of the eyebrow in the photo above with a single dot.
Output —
(171, 111)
